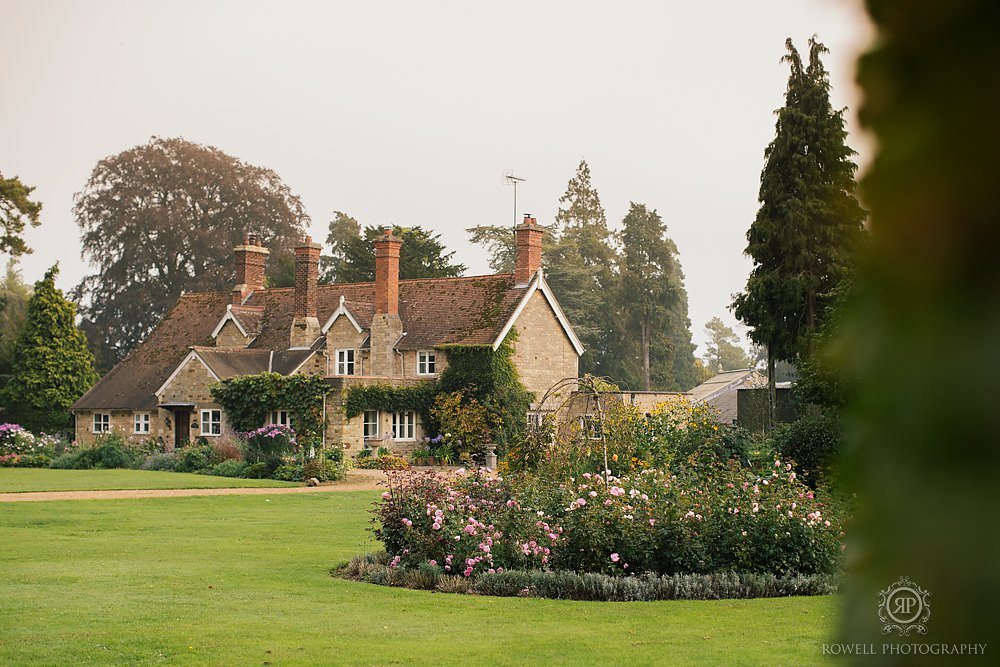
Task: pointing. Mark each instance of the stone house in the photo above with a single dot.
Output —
(385, 331)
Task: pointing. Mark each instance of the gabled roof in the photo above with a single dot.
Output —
(130, 384)
(246, 318)
(723, 382)
(476, 310)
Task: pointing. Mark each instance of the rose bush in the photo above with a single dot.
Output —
(701, 515)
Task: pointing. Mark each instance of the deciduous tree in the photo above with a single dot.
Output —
(16, 210)
(52, 364)
(809, 224)
(163, 218)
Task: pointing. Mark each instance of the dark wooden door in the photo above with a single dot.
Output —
(182, 428)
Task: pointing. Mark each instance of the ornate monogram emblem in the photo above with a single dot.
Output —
(903, 608)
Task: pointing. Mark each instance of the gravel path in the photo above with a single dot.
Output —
(357, 480)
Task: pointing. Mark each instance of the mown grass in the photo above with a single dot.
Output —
(21, 480)
(244, 580)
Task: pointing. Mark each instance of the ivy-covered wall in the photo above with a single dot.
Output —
(249, 400)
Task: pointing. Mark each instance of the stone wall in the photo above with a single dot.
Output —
(350, 432)
(543, 352)
(123, 421)
(230, 337)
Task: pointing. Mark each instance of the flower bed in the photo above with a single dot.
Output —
(702, 516)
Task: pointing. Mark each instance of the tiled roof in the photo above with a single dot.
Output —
(130, 384)
(434, 312)
(249, 318)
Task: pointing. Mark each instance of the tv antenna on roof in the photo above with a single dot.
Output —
(510, 179)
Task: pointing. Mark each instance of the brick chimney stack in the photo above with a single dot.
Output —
(528, 239)
(386, 328)
(387, 273)
(305, 326)
(251, 261)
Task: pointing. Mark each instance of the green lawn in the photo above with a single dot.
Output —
(20, 480)
(243, 580)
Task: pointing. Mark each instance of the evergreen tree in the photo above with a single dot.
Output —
(655, 346)
(53, 366)
(343, 231)
(579, 265)
(723, 351)
(499, 243)
(809, 224)
(15, 210)
(14, 295)
(422, 255)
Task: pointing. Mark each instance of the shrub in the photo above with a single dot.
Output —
(564, 585)
(387, 462)
(19, 447)
(227, 446)
(195, 458)
(324, 471)
(288, 472)
(812, 442)
(269, 444)
(166, 461)
(701, 516)
(230, 468)
(81, 458)
(113, 452)
(257, 471)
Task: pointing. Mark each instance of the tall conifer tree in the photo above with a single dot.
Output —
(809, 224)
(655, 350)
(52, 366)
(580, 267)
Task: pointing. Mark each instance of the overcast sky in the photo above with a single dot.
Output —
(410, 112)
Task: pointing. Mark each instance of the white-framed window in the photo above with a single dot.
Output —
(371, 424)
(102, 422)
(140, 422)
(426, 362)
(280, 417)
(211, 422)
(345, 362)
(591, 427)
(404, 425)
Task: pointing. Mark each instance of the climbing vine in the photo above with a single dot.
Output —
(249, 400)
(481, 376)
(389, 398)
(490, 377)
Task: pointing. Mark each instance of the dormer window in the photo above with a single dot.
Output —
(345, 362)
(426, 362)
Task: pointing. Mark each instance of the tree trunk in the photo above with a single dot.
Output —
(645, 327)
(772, 392)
